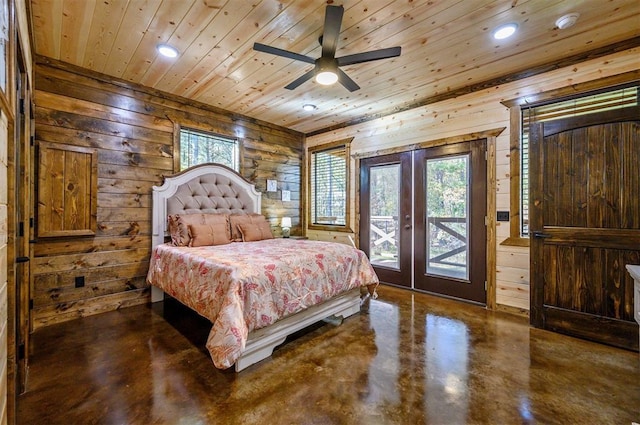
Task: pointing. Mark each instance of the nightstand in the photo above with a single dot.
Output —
(297, 237)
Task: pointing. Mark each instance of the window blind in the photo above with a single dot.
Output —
(600, 102)
(329, 186)
(197, 147)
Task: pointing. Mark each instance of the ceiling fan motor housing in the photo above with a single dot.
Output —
(327, 66)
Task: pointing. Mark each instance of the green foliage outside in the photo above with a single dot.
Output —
(385, 190)
(384, 201)
(199, 148)
(329, 188)
(447, 187)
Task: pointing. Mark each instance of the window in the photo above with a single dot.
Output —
(199, 147)
(600, 102)
(329, 186)
(552, 106)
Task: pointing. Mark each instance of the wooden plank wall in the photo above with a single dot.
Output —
(474, 113)
(133, 128)
(4, 248)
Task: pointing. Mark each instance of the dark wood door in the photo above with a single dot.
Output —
(585, 225)
(450, 209)
(385, 216)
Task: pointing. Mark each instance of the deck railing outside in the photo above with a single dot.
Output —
(447, 242)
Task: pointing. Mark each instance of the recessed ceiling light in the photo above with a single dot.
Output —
(567, 21)
(167, 51)
(504, 31)
(309, 107)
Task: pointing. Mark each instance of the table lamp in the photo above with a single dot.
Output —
(286, 227)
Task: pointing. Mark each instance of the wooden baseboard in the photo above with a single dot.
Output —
(512, 310)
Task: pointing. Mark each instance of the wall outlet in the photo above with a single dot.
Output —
(79, 281)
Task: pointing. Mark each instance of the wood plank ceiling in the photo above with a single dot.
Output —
(446, 46)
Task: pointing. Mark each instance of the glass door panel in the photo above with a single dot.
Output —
(384, 210)
(386, 222)
(450, 209)
(447, 196)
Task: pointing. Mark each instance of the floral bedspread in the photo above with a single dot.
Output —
(244, 286)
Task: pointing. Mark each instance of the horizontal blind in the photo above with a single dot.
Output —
(611, 100)
(197, 147)
(329, 186)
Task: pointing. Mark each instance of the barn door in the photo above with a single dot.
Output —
(585, 225)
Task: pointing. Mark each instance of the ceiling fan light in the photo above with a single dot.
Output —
(326, 78)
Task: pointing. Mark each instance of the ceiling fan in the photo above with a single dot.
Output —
(327, 67)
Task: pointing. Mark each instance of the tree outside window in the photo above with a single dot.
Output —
(329, 186)
(199, 147)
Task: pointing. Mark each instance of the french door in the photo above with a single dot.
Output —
(386, 216)
(450, 235)
(422, 219)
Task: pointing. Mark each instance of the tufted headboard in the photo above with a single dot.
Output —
(206, 188)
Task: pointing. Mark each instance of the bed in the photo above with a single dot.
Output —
(214, 252)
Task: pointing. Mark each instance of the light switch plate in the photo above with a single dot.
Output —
(502, 216)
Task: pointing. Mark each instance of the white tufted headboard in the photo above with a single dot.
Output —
(205, 188)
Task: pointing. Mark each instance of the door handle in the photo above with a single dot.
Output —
(407, 226)
(538, 234)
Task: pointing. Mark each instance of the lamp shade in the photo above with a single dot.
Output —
(286, 222)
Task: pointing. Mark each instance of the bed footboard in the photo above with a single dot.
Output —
(261, 342)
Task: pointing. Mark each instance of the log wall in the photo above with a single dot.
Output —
(132, 128)
(469, 114)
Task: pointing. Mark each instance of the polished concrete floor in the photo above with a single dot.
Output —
(413, 359)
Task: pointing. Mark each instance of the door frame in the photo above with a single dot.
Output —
(24, 210)
(490, 135)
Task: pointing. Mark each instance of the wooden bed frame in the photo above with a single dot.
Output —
(261, 342)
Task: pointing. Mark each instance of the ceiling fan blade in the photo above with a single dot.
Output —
(373, 55)
(346, 81)
(281, 52)
(292, 85)
(331, 31)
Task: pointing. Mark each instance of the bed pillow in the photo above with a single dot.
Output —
(208, 234)
(255, 232)
(236, 219)
(179, 225)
